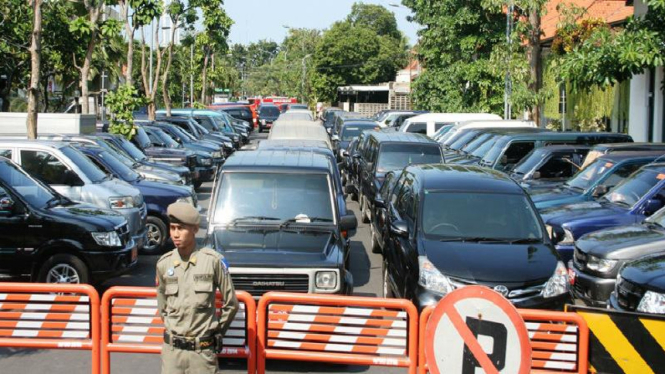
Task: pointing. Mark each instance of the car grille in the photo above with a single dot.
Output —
(258, 284)
(580, 258)
(123, 233)
(628, 295)
(513, 293)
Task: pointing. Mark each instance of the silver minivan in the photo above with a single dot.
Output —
(72, 174)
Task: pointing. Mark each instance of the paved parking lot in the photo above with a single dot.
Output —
(365, 267)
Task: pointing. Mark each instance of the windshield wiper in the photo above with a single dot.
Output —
(289, 221)
(235, 221)
(524, 241)
(473, 239)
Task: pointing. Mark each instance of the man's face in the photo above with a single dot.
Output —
(183, 236)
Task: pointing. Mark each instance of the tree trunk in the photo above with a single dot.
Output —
(129, 80)
(35, 57)
(535, 63)
(87, 63)
(204, 77)
(152, 105)
(165, 76)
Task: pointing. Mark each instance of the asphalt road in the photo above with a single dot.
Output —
(365, 267)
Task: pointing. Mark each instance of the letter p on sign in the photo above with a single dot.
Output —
(476, 330)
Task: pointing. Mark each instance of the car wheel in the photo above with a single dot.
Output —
(376, 248)
(198, 184)
(65, 269)
(157, 235)
(364, 212)
(387, 292)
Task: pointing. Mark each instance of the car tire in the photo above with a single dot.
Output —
(363, 210)
(198, 185)
(157, 236)
(376, 248)
(64, 268)
(387, 292)
(260, 129)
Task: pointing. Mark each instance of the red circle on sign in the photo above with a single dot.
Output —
(477, 292)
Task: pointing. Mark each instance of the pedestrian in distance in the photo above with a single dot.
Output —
(187, 279)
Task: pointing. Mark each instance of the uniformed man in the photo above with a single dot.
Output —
(187, 279)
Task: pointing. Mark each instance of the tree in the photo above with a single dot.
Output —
(35, 62)
(375, 18)
(180, 15)
(216, 26)
(144, 11)
(150, 79)
(15, 29)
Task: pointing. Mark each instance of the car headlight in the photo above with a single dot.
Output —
(122, 202)
(207, 161)
(228, 144)
(432, 279)
(326, 280)
(652, 302)
(600, 265)
(558, 283)
(216, 154)
(550, 231)
(188, 200)
(568, 238)
(263, 122)
(107, 239)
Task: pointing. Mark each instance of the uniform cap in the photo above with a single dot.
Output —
(183, 213)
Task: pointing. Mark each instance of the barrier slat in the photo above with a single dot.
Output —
(131, 324)
(50, 316)
(337, 329)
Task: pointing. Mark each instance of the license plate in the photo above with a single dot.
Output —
(135, 254)
(571, 276)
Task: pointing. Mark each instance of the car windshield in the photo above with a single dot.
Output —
(631, 190)
(36, 193)
(126, 173)
(475, 143)
(223, 125)
(350, 132)
(397, 156)
(131, 149)
(455, 215)
(463, 140)
(185, 136)
(165, 138)
(298, 106)
(269, 111)
(442, 131)
(586, 177)
(497, 148)
(486, 146)
(280, 196)
(142, 138)
(84, 164)
(530, 161)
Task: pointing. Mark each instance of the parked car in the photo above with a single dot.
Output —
(460, 129)
(550, 164)
(296, 115)
(350, 130)
(510, 149)
(378, 226)
(429, 123)
(453, 145)
(475, 148)
(599, 256)
(187, 120)
(602, 149)
(299, 130)
(390, 151)
(267, 114)
(395, 119)
(629, 202)
(451, 226)
(203, 150)
(339, 123)
(272, 216)
(241, 112)
(593, 181)
(49, 238)
(157, 196)
(69, 172)
(641, 286)
(328, 118)
(340, 117)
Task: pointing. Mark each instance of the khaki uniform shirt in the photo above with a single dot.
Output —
(186, 293)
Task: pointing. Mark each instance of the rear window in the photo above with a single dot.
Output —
(350, 132)
(398, 156)
(272, 111)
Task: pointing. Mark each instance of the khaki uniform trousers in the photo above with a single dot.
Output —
(177, 361)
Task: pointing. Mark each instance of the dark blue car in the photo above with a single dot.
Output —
(631, 201)
(157, 196)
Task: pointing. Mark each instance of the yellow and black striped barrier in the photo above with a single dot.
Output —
(621, 342)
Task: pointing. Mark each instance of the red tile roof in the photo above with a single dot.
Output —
(611, 11)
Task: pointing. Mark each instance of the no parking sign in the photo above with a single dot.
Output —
(476, 328)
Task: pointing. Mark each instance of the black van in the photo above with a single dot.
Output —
(48, 238)
(386, 151)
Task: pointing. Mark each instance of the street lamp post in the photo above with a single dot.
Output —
(191, 75)
(304, 74)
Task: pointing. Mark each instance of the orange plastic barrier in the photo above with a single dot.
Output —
(337, 329)
(50, 316)
(559, 341)
(131, 324)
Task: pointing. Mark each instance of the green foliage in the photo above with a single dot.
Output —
(122, 103)
(198, 105)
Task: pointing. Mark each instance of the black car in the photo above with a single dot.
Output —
(452, 226)
(48, 238)
(242, 112)
(157, 196)
(267, 115)
(328, 118)
(599, 255)
(378, 227)
(386, 151)
(641, 286)
(350, 130)
(272, 214)
(187, 124)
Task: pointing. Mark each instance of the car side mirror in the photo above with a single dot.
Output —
(399, 228)
(379, 203)
(651, 206)
(6, 207)
(599, 191)
(72, 179)
(329, 130)
(503, 160)
(334, 138)
(535, 175)
(344, 153)
(348, 222)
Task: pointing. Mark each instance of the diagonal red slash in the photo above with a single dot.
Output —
(470, 340)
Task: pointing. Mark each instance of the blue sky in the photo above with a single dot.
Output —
(264, 19)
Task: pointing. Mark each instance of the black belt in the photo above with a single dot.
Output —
(189, 344)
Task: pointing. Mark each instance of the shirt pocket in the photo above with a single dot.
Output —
(204, 293)
(171, 294)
